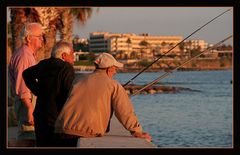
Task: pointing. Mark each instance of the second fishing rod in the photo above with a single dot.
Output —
(168, 73)
(173, 48)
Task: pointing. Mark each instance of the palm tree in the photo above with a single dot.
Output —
(181, 47)
(144, 43)
(18, 18)
(9, 50)
(157, 50)
(67, 16)
(52, 19)
(133, 55)
(171, 45)
(189, 48)
(163, 44)
(128, 42)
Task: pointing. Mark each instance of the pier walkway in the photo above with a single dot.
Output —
(118, 137)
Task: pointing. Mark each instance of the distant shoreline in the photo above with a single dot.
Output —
(134, 70)
(169, 70)
(195, 65)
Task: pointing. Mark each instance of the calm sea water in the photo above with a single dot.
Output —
(201, 118)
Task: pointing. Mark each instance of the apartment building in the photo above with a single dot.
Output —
(195, 44)
(127, 45)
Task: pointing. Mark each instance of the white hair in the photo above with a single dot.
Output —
(28, 30)
(60, 48)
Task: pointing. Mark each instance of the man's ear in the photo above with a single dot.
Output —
(63, 56)
(108, 71)
(28, 38)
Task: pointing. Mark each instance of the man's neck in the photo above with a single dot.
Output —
(31, 47)
(33, 50)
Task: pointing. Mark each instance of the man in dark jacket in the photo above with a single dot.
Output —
(50, 80)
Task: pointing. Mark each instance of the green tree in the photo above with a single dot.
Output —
(144, 63)
(194, 52)
(133, 55)
(163, 43)
(144, 43)
(128, 42)
(181, 47)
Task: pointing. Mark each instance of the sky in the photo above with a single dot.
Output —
(160, 21)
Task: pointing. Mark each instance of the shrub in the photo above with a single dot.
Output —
(83, 63)
(144, 63)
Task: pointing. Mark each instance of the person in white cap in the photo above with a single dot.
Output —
(93, 98)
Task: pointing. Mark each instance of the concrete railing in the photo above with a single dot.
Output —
(118, 137)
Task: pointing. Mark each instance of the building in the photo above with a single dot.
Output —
(80, 44)
(131, 45)
(219, 54)
(195, 44)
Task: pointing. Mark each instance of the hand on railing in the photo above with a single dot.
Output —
(142, 135)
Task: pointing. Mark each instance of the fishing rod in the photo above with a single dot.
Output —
(174, 47)
(168, 73)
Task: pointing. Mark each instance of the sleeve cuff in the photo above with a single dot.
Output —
(138, 129)
(26, 95)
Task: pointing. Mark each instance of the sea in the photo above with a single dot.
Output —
(198, 117)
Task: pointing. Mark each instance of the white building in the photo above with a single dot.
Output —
(195, 44)
(128, 43)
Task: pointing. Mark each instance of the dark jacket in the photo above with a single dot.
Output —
(50, 80)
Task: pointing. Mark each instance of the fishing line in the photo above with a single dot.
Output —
(174, 47)
(171, 71)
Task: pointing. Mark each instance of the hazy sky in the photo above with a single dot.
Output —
(160, 21)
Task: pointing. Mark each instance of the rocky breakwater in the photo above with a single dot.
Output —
(132, 88)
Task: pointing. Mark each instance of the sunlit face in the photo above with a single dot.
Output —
(36, 38)
(68, 57)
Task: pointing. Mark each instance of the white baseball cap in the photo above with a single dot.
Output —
(106, 60)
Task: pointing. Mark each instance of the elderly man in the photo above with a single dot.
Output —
(22, 58)
(54, 81)
(93, 98)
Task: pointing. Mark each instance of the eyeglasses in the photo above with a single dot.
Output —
(39, 37)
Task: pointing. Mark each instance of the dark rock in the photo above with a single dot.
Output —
(132, 88)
